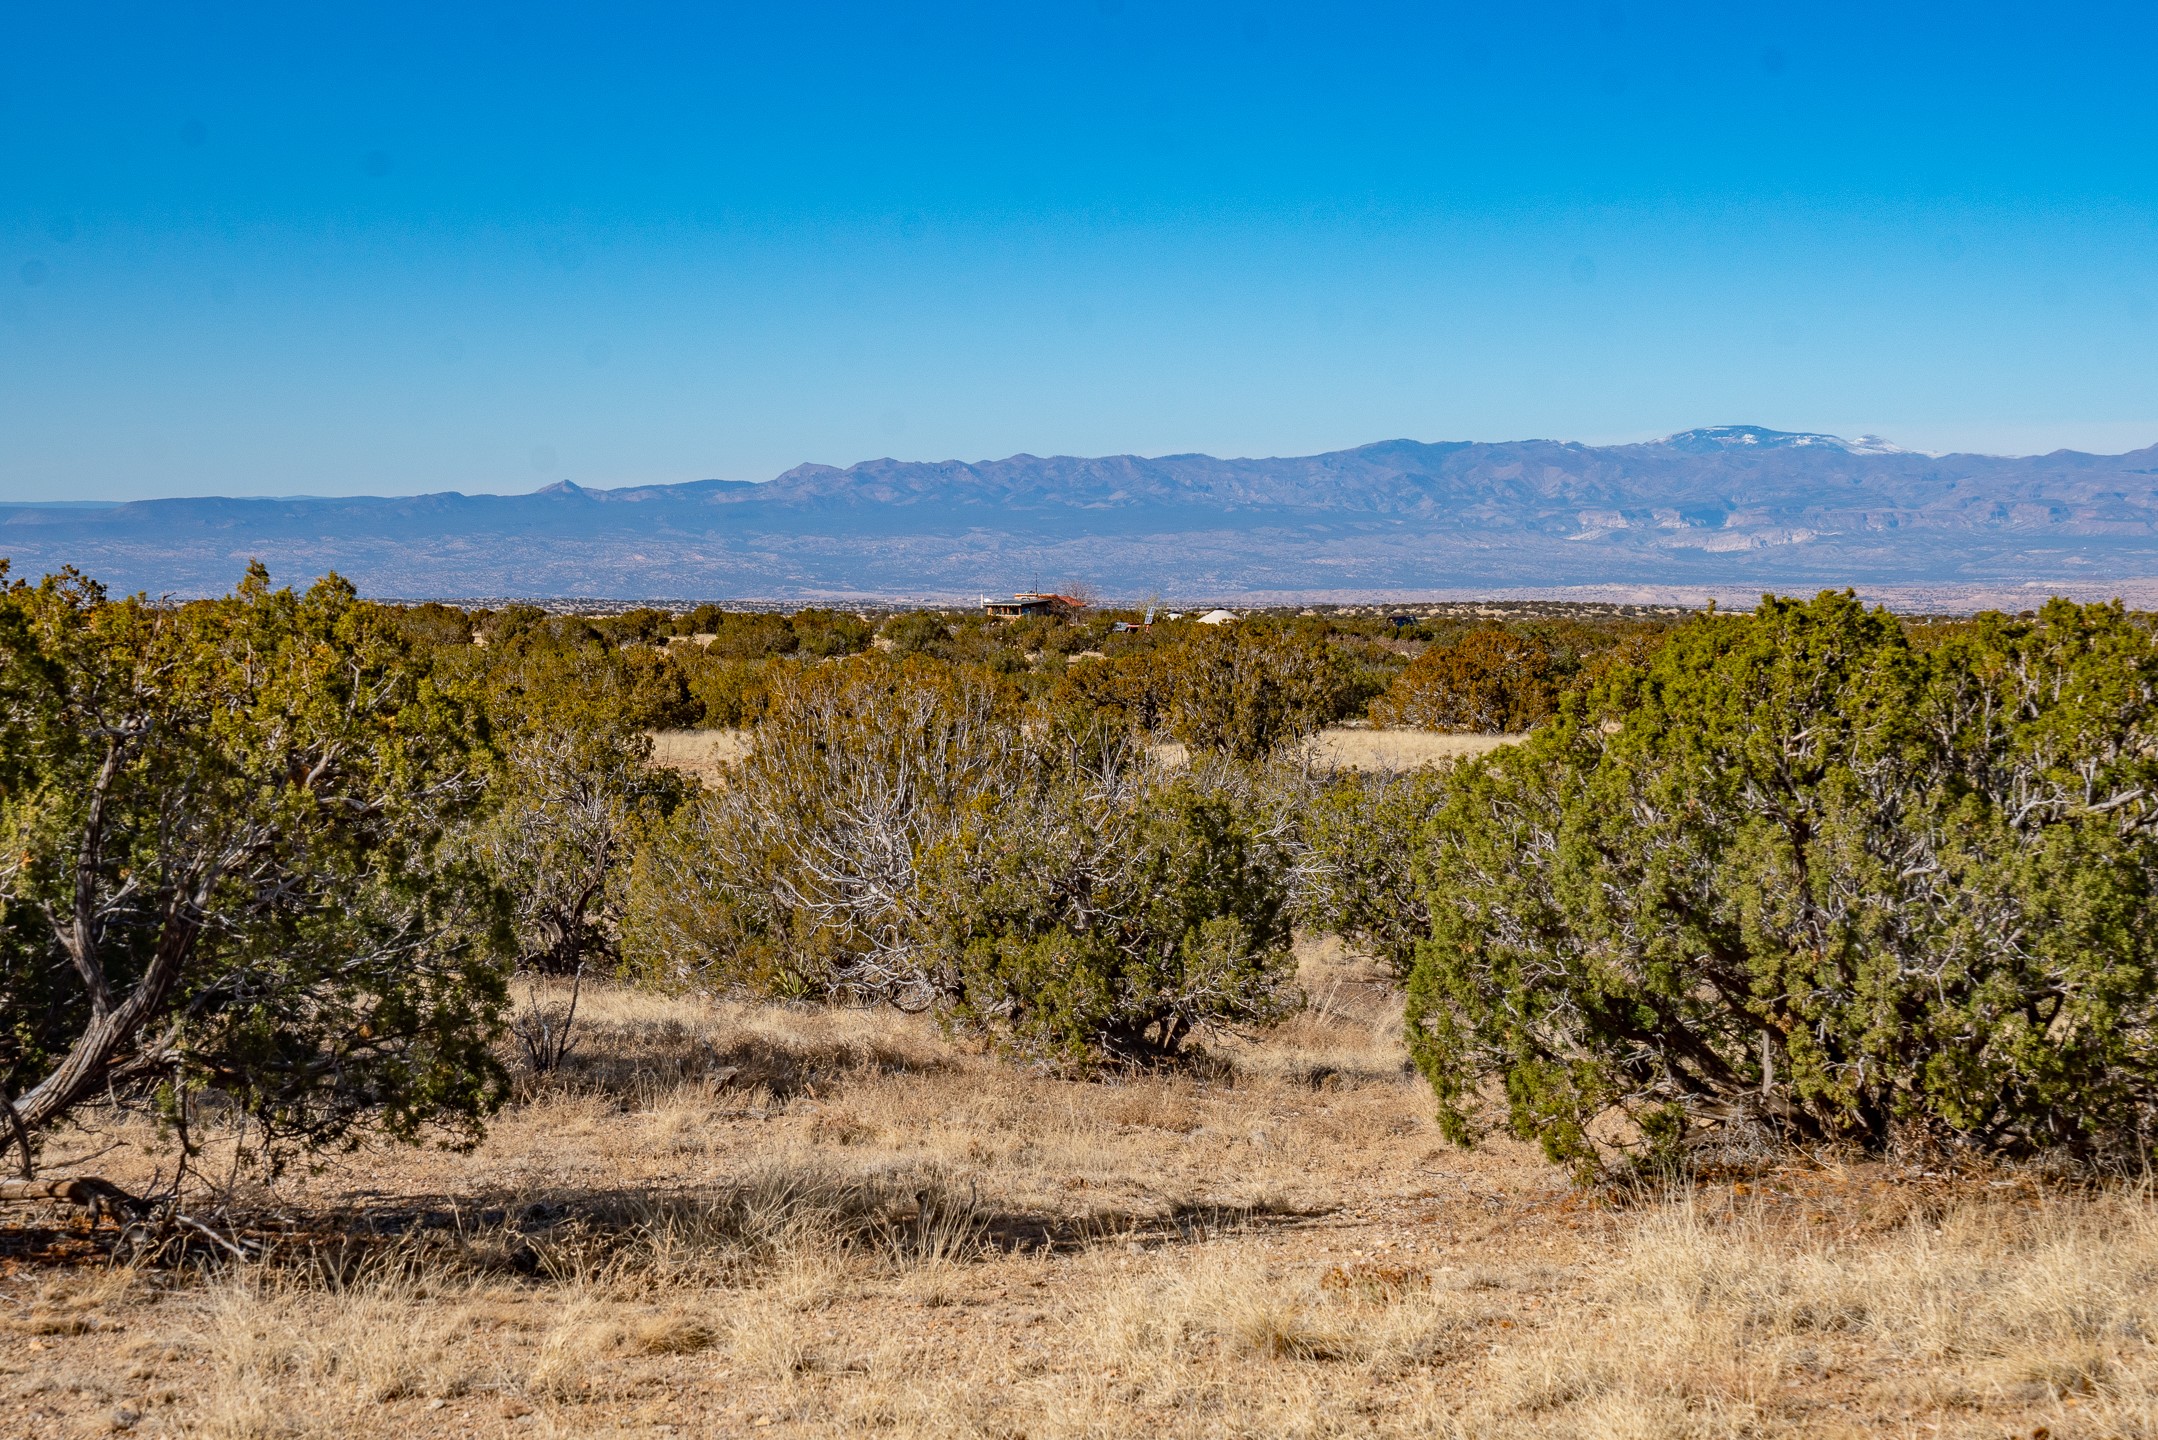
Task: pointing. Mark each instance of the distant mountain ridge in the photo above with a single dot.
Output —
(1722, 507)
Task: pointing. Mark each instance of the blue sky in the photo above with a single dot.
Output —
(391, 248)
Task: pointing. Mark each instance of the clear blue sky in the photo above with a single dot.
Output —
(396, 247)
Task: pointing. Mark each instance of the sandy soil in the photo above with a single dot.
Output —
(702, 754)
(1363, 748)
(730, 1220)
(705, 754)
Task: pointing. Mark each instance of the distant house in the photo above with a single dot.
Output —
(1131, 627)
(1218, 617)
(1033, 603)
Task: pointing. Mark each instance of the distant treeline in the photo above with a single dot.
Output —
(1447, 671)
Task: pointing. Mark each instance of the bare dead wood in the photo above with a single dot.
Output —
(20, 1134)
(100, 1197)
(101, 1040)
(546, 1039)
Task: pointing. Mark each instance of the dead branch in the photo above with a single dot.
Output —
(100, 1197)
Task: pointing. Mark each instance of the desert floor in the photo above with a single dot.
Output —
(704, 755)
(719, 1220)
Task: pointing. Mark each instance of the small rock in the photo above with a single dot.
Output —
(124, 1418)
(437, 1403)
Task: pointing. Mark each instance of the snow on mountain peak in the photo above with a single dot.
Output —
(1713, 438)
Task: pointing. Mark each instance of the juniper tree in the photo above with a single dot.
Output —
(229, 829)
(1795, 874)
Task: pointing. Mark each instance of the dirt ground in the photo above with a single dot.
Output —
(1362, 747)
(729, 1220)
(704, 755)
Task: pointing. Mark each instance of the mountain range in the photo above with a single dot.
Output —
(1719, 510)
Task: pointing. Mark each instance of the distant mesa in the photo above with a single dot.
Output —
(1727, 508)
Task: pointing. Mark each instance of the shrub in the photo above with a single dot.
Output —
(1794, 876)
(1130, 691)
(918, 632)
(1370, 666)
(1490, 680)
(702, 620)
(729, 693)
(641, 626)
(798, 877)
(1109, 915)
(564, 669)
(1362, 872)
(232, 862)
(826, 633)
(902, 831)
(751, 635)
(1248, 688)
(569, 807)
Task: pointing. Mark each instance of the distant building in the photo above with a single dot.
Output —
(1218, 617)
(1033, 604)
(1129, 627)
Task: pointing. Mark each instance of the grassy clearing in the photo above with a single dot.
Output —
(704, 755)
(720, 1219)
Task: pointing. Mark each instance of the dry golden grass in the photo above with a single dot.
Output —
(1362, 748)
(703, 755)
(720, 1219)
(1358, 747)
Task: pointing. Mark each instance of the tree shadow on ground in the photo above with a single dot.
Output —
(720, 1235)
